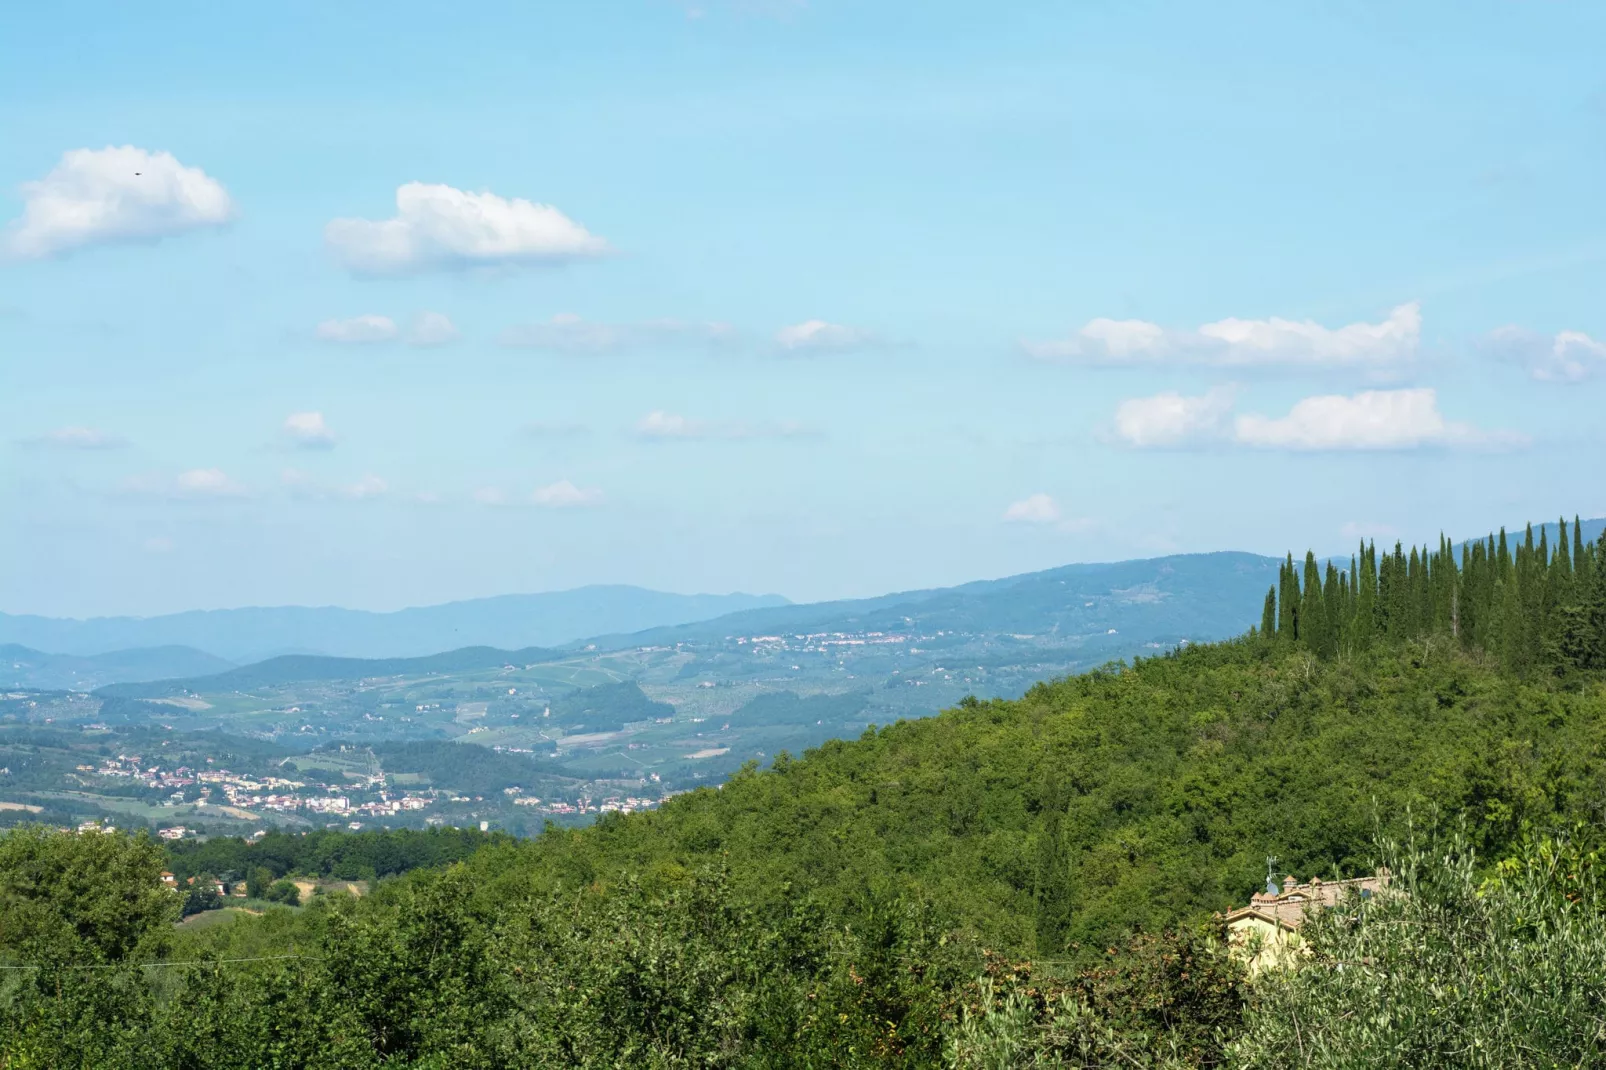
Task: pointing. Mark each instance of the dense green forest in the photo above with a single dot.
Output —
(1011, 883)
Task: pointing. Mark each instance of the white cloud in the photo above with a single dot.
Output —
(660, 424)
(490, 496)
(358, 329)
(437, 226)
(568, 333)
(302, 485)
(77, 438)
(1034, 509)
(1236, 342)
(565, 495)
(369, 486)
(818, 336)
(1565, 357)
(1356, 530)
(97, 196)
(207, 483)
(1370, 420)
(194, 484)
(1172, 419)
(432, 329)
(309, 431)
(1041, 510)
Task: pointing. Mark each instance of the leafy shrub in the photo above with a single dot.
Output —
(283, 891)
(1445, 970)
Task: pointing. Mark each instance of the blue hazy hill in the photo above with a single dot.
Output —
(509, 622)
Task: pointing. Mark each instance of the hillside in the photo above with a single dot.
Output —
(1186, 596)
(1011, 882)
(21, 667)
(311, 668)
(507, 621)
(1139, 799)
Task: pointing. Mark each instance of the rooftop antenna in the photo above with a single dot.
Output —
(1271, 874)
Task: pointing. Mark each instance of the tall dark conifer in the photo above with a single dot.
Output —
(1312, 614)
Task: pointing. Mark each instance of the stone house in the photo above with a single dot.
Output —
(1266, 932)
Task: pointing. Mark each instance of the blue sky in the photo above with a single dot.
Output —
(417, 302)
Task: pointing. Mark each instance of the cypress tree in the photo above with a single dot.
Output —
(1365, 623)
(1582, 561)
(1312, 614)
(1332, 608)
(1288, 602)
(1268, 615)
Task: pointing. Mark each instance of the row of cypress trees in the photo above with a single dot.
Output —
(1535, 607)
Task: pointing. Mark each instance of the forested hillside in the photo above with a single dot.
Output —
(1011, 883)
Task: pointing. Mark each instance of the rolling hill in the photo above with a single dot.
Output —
(23, 667)
(508, 621)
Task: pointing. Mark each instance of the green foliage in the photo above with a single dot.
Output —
(283, 891)
(80, 898)
(608, 707)
(327, 853)
(1444, 970)
(1536, 611)
(833, 910)
(1173, 999)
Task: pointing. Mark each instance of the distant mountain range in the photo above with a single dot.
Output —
(252, 634)
(310, 668)
(1163, 599)
(22, 667)
(1084, 612)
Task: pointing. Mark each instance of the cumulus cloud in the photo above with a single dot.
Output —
(428, 329)
(490, 496)
(207, 483)
(358, 329)
(564, 495)
(439, 227)
(127, 194)
(1369, 420)
(1033, 509)
(1041, 510)
(302, 485)
(818, 336)
(1565, 357)
(659, 424)
(568, 333)
(196, 484)
(77, 438)
(432, 329)
(1236, 342)
(308, 431)
(1172, 419)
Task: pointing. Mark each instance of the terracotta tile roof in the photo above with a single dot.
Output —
(1287, 907)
